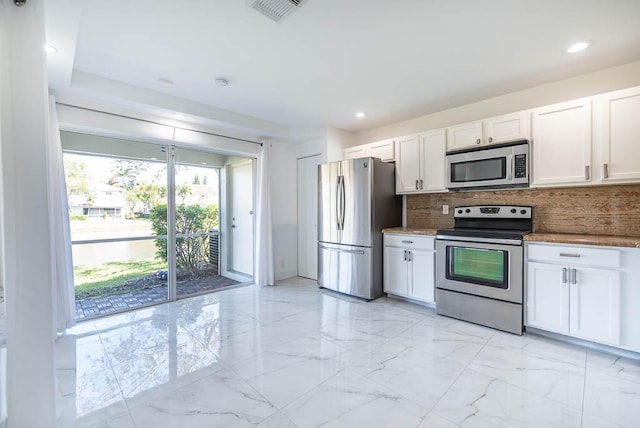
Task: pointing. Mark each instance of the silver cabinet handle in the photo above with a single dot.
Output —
(338, 250)
(421, 184)
(409, 256)
(407, 242)
(405, 255)
(417, 184)
(491, 139)
(574, 276)
(575, 256)
(565, 272)
(605, 170)
(478, 141)
(587, 172)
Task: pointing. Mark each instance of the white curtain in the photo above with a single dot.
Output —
(62, 263)
(264, 237)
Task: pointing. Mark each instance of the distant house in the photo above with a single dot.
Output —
(105, 200)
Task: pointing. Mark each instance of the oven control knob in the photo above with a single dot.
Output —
(513, 210)
(459, 211)
(523, 212)
(467, 210)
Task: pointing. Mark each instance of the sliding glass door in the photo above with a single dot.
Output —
(152, 223)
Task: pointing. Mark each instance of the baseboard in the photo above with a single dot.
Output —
(285, 274)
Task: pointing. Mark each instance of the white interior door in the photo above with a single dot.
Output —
(242, 218)
(308, 216)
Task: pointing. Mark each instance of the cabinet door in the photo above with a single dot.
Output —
(620, 135)
(422, 275)
(510, 127)
(356, 152)
(383, 150)
(407, 165)
(547, 297)
(595, 305)
(433, 147)
(395, 271)
(465, 135)
(561, 144)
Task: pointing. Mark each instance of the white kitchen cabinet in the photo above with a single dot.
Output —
(356, 152)
(409, 266)
(561, 147)
(595, 305)
(420, 163)
(575, 290)
(464, 135)
(617, 120)
(381, 149)
(510, 127)
(495, 130)
(547, 297)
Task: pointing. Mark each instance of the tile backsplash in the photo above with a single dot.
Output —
(596, 210)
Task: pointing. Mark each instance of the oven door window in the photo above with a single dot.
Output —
(479, 170)
(478, 266)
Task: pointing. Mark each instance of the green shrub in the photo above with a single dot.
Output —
(191, 252)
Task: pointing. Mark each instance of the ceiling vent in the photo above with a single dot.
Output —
(275, 9)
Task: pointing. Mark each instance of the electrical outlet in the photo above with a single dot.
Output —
(445, 209)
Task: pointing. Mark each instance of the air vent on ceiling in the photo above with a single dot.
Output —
(275, 9)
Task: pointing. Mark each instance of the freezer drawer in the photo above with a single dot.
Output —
(348, 269)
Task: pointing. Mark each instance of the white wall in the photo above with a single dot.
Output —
(284, 208)
(337, 141)
(610, 79)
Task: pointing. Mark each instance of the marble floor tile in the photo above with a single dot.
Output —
(295, 355)
(350, 400)
(477, 400)
(612, 388)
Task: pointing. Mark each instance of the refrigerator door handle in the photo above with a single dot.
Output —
(343, 202)
(338, 202)
(338, 250)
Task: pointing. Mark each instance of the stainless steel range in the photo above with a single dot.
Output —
(480, 265)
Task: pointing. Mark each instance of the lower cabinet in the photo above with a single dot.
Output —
(566, 297)
(409, 266)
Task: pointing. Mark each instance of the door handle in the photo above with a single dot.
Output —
(409, 257)
(575, 256)
(417, 184)
(565, 273)
(343, 203)
(233, 226)
(407, 242)
(421, 184)
(605, 170)
(338, 250)
(405, 255)
(587, 172)
(509, 167)
(478, 141)
(574, 276)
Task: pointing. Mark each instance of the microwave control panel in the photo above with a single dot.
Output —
(520, 166)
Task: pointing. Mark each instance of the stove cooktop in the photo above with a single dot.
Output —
(485, 233)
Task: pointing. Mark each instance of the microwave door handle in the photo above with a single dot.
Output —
(510, 161)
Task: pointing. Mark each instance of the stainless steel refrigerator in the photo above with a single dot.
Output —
(356, 201)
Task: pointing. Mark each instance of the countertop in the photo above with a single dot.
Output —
(601, 240)
(410, 231)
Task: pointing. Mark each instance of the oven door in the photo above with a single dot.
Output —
(480, 269)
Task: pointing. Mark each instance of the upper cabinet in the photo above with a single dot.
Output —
(384, 150)
(420, 163)
(561, 148)
(500, 129)
(617, 125)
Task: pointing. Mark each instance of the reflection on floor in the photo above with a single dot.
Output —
(99, 306)
(2, 322)
(295, 356)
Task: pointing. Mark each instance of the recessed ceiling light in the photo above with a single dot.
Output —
(204, 163)
(577, 47)
(165, 82)
(221, 82)
(179, 116)
(50, 49)
(360, 115)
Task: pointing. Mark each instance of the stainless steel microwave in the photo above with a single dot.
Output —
(498, 166)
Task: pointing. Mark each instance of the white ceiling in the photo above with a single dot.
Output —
(329, 59)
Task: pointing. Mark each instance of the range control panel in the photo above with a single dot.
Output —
(493, 211)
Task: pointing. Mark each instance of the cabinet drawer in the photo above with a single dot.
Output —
(574, 256)
(410, 242)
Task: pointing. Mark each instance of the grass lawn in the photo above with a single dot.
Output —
(109, 278)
